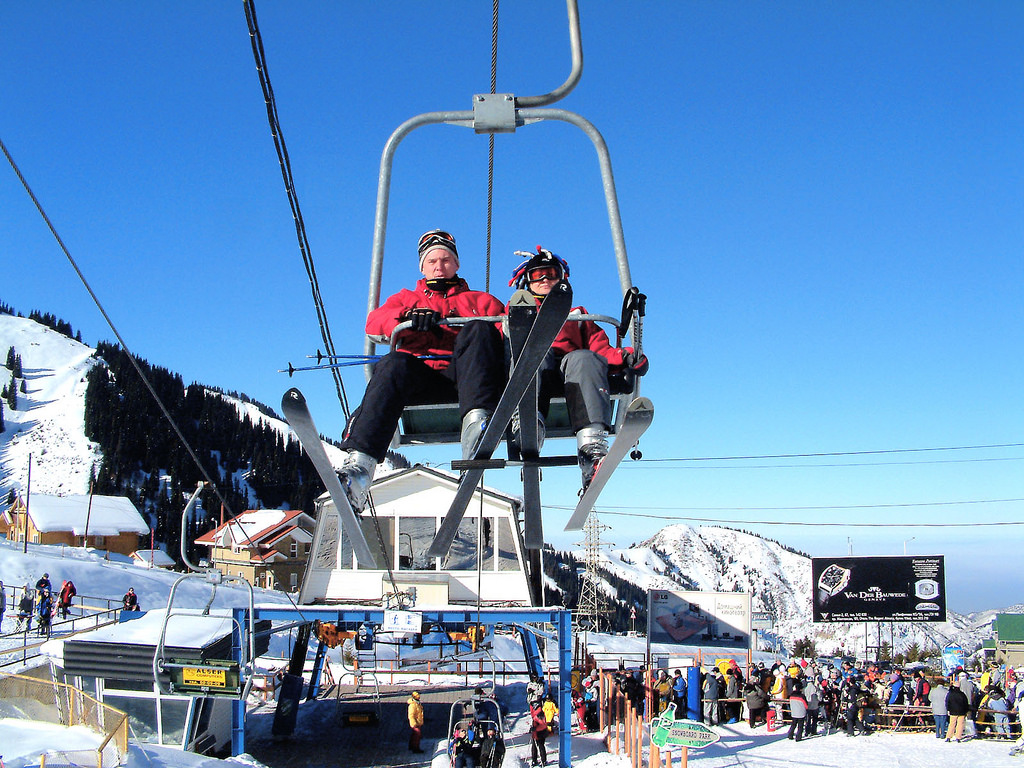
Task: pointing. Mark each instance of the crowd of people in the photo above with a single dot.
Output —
(41, 605)
(847, 700)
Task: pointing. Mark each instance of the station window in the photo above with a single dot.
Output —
(414, 537)
(387, 532)
(507, 558)
(463, 553)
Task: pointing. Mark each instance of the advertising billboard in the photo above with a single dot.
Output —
(713, 619)
(878, 588)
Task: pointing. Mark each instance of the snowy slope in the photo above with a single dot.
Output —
(48, 423)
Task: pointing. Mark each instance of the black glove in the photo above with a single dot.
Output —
(424, 319)
(638, 364)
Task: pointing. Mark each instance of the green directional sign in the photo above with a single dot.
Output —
(667, 731)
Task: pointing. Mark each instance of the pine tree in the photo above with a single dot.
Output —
(10, 359)
(2, 427)
(12, 394)
(804, 648)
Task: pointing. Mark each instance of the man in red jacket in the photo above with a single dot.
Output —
(577, 365)
(431, 363)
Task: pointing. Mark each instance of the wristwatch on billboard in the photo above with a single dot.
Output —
(832, 581)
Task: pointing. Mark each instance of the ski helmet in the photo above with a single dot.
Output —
(532, 261)
(437, 238)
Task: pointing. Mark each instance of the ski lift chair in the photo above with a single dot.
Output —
(435, 423)
(479, 713)
(504, 113)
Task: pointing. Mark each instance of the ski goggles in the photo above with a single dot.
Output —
(544, 273)
(436, 237)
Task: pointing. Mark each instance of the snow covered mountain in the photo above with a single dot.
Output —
(48, 422)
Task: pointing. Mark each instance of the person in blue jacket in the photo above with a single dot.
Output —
(679, 693)
(896, 691)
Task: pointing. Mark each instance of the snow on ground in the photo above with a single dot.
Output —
(24, 742)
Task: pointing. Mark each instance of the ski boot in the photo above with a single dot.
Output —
(473, 425)
(356, 474)
(591, 448)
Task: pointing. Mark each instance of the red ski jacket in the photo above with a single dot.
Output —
(458, 301)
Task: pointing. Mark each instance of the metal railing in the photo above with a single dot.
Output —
(86, 612)
(69, 706)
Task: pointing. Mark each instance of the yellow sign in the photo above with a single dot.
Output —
(205, 677)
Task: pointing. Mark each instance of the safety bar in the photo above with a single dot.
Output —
(407, 324)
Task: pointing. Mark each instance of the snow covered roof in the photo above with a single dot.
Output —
(108, 516)
(157, 557)
(185, 629)
(258, 527)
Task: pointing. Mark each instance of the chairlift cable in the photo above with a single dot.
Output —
(259, 54)
(300, 231)
(124, 345)
(383, 546)
(490, 145)
(110, 323)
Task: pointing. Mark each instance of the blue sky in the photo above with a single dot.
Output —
(822, 202)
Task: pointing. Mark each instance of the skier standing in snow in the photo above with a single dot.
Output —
(711, 692)
(464, 363)
(679, 693)
(67, 594)
(3, 603)
(45, 612)
(938, 706)
(958, 706)
(577, 363)
(539, 734)
(798, 712)
(415, 715)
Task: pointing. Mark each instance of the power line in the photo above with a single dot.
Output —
(832, 466)
(827, 454)
(815, 508)
(721, 521)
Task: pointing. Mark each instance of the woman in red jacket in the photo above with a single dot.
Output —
(577, 365)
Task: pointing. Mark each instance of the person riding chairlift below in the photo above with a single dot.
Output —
(577, 363)
(432, 362)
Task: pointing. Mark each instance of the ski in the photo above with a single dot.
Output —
(639, 415)
(549, 321)
(521, 313)
(296, 412)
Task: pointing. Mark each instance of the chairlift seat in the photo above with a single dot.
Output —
(437, 423)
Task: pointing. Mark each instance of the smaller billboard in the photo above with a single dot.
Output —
(953, 658)
(714, 619)
(849, 589)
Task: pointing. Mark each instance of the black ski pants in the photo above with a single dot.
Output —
(475, 378)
